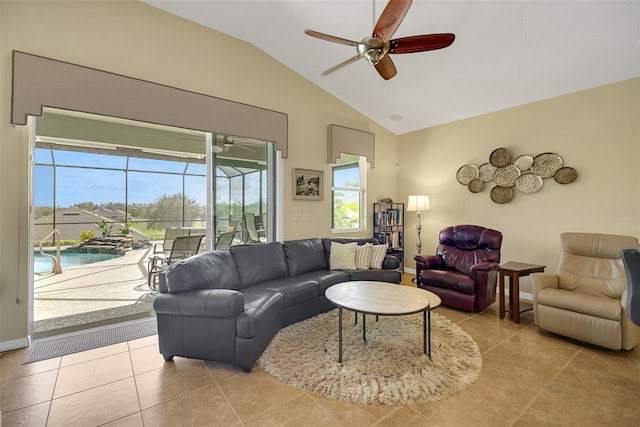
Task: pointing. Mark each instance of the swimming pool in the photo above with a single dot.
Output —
(43, 264)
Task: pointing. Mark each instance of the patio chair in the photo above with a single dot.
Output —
(225, 240)
(183, 247)
(253, 234)
(170, 235)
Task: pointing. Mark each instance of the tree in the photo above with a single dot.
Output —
(87, 206)
(168, 211)
(114, 206)
(346, 210)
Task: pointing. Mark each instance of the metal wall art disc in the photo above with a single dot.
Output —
(506, 176)
(523, 162)
(500, 157)
(467, 173)
(565, 175)
(475, 186)
(546, 164)
(501, 194)
(529, 183)
(486, 172)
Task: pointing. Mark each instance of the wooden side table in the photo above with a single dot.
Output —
(515, 270)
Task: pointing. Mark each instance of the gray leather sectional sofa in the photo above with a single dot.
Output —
(227, 305)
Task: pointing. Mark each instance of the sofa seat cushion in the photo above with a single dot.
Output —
(603, 307)
(260, 309)
(293, 289)
(391, 276)
(325, 278)
(449, 280)
(304, 256)
(259, 263)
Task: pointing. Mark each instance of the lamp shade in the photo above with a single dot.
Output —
(418, 203)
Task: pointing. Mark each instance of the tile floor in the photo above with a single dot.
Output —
(529, 378)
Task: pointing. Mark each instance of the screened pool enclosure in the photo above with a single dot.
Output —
(144, 179)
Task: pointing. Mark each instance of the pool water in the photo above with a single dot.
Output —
(43, 264)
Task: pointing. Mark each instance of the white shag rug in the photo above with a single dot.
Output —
(388, 369)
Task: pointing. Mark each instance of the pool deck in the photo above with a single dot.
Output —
(90, 292)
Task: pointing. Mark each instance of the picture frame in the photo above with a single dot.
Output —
(308, 184)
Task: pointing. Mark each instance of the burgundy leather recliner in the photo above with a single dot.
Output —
(464, 271)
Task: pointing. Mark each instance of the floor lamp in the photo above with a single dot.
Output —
(418, 204)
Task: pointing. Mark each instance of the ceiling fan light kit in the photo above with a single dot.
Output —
(375, 49)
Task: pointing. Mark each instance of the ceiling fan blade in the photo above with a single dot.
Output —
(421, 43)
(391, 18)
(244, 147)
(386, 68)
(342, 64)
(329, 38)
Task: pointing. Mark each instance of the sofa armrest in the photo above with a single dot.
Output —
(485, 276)
(219, 303)
(540, 281)
(162, 282)
(429, 261)
(484, 266)
(390, 262)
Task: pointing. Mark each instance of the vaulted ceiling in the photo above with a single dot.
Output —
(506, 53)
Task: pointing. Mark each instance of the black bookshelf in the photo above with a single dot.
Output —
(388, 227)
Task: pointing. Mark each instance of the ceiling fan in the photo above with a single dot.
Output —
(375, 49)
(226, 142)
(221, 143)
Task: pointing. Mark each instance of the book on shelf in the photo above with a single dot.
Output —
(393, 239)
(390, 217)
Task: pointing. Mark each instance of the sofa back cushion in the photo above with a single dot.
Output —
(207, 270)
(590, 263)
(462, 246)
(304, 255)
(259, 263)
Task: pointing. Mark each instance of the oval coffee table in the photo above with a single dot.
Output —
(383, 299)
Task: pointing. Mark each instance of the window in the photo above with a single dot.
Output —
(348, 193)
(119, 175)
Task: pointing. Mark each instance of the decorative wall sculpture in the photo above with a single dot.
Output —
(525, 173)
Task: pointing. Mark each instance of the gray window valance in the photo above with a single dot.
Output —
(42, 82)
(351, 141)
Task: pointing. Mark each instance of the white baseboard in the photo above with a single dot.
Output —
(14, 344)
(524, 296)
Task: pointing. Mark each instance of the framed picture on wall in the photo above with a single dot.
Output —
(307, 184)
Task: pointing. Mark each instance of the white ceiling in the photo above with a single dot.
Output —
(506, 53)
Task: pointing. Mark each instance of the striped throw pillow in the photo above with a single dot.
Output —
(363, 256)
(377, 255)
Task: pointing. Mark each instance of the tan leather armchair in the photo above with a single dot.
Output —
(586, 299)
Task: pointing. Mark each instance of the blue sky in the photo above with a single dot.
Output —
(77, 185)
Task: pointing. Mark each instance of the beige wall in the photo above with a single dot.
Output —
(595, 131)
(134, 39)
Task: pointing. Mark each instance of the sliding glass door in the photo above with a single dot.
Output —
(97, 176)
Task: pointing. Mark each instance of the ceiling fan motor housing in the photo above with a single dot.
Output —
(373, 49)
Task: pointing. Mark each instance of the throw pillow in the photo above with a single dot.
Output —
(377, 255)
(343, 256)
(363, 256)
